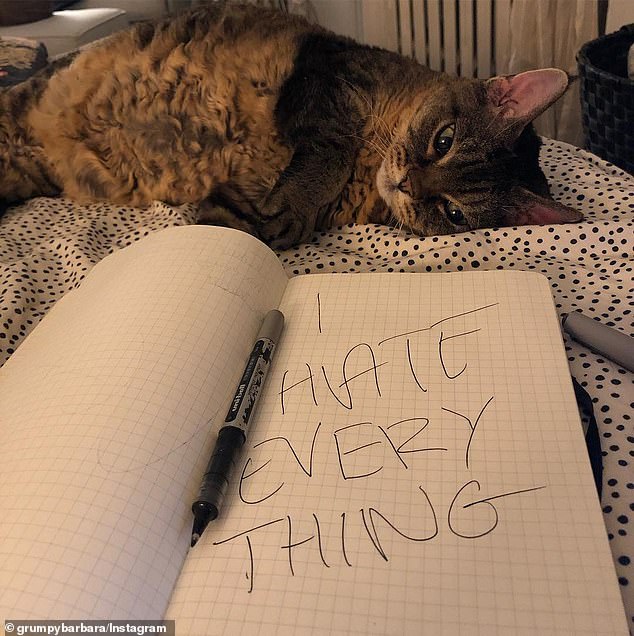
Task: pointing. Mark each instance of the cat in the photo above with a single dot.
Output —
(278, 127)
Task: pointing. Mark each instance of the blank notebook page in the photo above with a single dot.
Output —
(104, 422)
(417, 465)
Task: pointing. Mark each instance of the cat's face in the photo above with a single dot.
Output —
(466, 158)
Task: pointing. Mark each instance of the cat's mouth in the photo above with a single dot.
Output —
(387, 185)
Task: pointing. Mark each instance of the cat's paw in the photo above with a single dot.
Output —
(284, 232)
(286, 224)
(210, 213)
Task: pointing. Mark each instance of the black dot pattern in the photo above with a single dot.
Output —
(47, 246)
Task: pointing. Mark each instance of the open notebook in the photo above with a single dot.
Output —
(416, 464)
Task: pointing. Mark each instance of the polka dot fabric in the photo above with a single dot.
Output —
(47, 246)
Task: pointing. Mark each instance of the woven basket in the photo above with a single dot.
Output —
(607, 97)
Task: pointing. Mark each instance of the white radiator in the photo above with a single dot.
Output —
(460, 37)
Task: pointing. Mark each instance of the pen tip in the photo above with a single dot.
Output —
(195, 538)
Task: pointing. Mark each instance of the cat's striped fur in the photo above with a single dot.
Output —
(272, 125)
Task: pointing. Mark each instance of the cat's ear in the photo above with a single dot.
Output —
(531, 209)
(520, 98)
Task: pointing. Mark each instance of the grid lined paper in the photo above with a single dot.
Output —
(105, 415)
(443, 489)
(448, 493)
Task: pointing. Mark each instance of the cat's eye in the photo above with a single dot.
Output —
(454, 213)
(444, 139)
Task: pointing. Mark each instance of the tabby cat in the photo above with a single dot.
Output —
(276, 126)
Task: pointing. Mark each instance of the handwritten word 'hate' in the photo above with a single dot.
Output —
(361, 359)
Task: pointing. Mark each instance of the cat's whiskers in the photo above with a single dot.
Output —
(373, 116)
(380, 141)
(380, 151)
(397, 224)
(493, 121)
(383, 135)
(503, 130)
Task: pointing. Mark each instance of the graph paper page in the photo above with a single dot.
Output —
(105, 417)
(417, 466)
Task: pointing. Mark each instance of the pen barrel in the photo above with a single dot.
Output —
(604, 340)
(232, 435)
(252, 381)
(218, 472)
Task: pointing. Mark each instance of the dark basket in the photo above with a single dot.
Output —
(607, 97)
(22, 11)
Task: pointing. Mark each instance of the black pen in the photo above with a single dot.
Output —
(233, 433)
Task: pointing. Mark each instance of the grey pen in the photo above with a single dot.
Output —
(611, 343)
(233, 433)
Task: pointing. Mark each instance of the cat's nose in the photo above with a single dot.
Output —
(405, 185)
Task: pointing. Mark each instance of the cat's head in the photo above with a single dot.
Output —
(468, 157)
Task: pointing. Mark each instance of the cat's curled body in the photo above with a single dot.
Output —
(275, 126)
